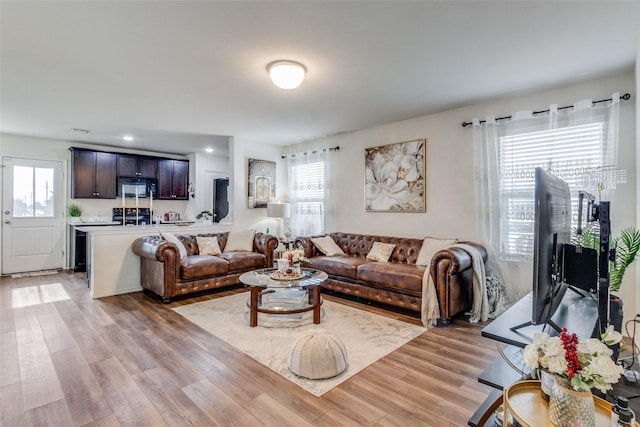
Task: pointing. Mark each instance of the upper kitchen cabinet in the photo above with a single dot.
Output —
(94, 175)
(173, 179)
(137, 166)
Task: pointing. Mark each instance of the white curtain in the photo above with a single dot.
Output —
(310, 187)
(501, 166)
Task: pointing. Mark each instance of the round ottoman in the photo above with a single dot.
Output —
(317, 355)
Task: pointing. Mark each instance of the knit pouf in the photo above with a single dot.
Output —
(317, 355)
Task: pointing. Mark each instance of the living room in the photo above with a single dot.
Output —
(449, 164)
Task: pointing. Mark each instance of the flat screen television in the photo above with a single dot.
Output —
(552, 231)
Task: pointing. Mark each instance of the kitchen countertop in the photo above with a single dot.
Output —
(152, 229)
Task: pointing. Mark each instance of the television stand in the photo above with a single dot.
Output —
(576, 313)
(551, 323)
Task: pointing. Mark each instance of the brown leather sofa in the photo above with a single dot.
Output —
(399, 281)
(163, 273)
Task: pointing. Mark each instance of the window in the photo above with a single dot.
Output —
(566, 152)
(32, 191)
(307, 190)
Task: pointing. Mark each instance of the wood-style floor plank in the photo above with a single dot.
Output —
(82, 392)
(38, 377)
(131, 360)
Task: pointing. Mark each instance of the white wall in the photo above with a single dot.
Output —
(450, 194)
(241, 151)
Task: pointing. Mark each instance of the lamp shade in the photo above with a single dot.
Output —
(286, 74)
(279, 210)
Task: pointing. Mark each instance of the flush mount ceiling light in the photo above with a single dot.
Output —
(286, 74)
(127, 138)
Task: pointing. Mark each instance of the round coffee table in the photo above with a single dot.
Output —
(273, 296)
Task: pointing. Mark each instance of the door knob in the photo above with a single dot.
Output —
(7, 222)
(7, 212)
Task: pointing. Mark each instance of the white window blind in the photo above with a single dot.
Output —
(307, 195)
(566, 152)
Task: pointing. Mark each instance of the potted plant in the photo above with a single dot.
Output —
(74, 210)
(206, 216)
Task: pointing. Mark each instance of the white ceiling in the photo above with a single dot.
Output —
(182, 75)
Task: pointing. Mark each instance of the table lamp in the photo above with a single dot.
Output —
(280, 211)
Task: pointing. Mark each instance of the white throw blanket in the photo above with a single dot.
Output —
(480, 307)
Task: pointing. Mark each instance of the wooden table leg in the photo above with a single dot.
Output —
(253, 306)
(315, 294)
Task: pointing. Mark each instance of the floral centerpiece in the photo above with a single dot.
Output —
(585, 365)
(291, 260)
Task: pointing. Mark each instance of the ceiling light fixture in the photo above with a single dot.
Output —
(77, 130)
(209, 150)
(127, 138)
(286, 74)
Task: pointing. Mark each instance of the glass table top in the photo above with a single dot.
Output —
(264, 277)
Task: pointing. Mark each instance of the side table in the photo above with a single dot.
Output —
(523, 400)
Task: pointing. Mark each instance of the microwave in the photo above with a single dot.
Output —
(140, 187)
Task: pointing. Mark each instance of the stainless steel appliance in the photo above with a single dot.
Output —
(132, 216)
(140, 187)
(172, 216)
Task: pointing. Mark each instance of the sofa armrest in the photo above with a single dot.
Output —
(159, 264)
(455, 259)
(153, 247)
(451, 270)
(266, 244)
(305, 244)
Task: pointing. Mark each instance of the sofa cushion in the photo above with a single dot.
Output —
(380, 251)
(203, 266)
(240, 241)
(407, 277)
(244, 260)
(327, 246)
(171, 238)
(344, 266)
(208, 245)
(429, 248)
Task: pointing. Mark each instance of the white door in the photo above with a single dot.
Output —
(32, 215)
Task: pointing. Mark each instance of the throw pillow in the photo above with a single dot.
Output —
(240, 241)
(327, 246)
(208, 245)
(381, 251)
(171, 238)
(429, 248)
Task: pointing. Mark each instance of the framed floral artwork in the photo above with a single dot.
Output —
(261, 183)
(395, 177)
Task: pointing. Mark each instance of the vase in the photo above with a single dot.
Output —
(571, 408)
(546, 383)
(297, 268)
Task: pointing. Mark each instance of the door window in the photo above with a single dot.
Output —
(33, 191)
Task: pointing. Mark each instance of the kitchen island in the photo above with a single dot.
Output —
(112, 267)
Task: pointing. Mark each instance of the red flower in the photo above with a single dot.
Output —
(570, 344)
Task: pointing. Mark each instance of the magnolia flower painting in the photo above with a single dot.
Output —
(395, 177)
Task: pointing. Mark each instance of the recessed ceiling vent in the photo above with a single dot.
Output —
(77, 130)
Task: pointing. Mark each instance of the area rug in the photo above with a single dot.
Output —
(366, 336)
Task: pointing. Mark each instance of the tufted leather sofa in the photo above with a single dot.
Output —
(399, 281)
(165, 274)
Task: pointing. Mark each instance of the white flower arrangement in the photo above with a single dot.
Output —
(585, 364)
(295, 256)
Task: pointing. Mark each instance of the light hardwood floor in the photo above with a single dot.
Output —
(68, 360)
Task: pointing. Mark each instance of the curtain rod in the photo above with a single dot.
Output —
(625, 97)
(313, 152)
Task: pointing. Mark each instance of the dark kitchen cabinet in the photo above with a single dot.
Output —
(137, 166)
(173, 179)
(94, 175)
